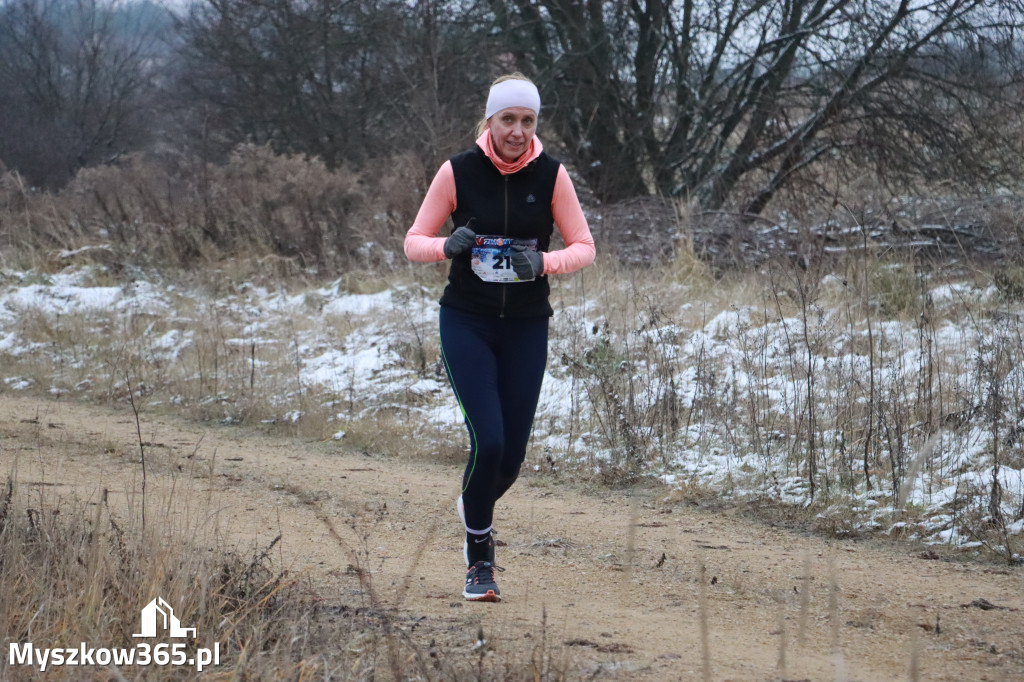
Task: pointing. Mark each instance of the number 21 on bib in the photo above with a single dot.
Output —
(492, 258)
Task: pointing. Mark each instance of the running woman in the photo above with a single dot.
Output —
(504, 195)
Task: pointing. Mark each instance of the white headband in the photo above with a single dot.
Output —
(512, 93)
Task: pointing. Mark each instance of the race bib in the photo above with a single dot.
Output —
(492, 258)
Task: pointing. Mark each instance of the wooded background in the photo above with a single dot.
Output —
(726, 104)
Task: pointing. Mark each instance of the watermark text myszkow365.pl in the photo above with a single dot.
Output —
(156, 614)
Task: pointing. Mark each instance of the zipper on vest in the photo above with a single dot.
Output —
(504, 285)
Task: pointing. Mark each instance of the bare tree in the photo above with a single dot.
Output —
(731, 101)
(78, 78)
(345, 80)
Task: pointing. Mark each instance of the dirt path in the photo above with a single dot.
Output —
(616, 578)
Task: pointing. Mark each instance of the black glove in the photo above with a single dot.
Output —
(527, 264)
(462, 240)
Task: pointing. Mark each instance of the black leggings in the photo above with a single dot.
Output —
(495, 367)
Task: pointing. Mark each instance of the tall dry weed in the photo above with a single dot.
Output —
(183, 213)
(76, 573)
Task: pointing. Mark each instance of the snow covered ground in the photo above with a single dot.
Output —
(739, 400)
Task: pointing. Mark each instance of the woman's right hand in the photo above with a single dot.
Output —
(462, 240)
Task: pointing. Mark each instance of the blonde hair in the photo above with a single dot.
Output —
(481, 126)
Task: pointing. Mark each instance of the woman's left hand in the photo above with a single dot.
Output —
(527, 264)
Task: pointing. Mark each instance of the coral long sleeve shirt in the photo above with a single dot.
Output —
(423, 244)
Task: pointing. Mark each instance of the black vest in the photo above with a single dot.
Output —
(516, 205)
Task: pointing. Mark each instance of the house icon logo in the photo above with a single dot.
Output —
(159, 612)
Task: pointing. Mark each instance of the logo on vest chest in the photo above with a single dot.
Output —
(530, 199)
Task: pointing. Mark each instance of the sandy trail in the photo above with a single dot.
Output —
(614, 578)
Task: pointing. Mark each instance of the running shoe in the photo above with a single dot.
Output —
(480, 585)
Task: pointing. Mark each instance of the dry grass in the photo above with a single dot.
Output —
(79, 572)
(75, 571)
(260, 214)
(844, 382)
(826, 382)
(663, 377)
(815, 375)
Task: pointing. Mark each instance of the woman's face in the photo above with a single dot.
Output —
(511, 131)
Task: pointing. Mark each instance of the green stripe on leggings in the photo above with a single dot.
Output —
(451, 380)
